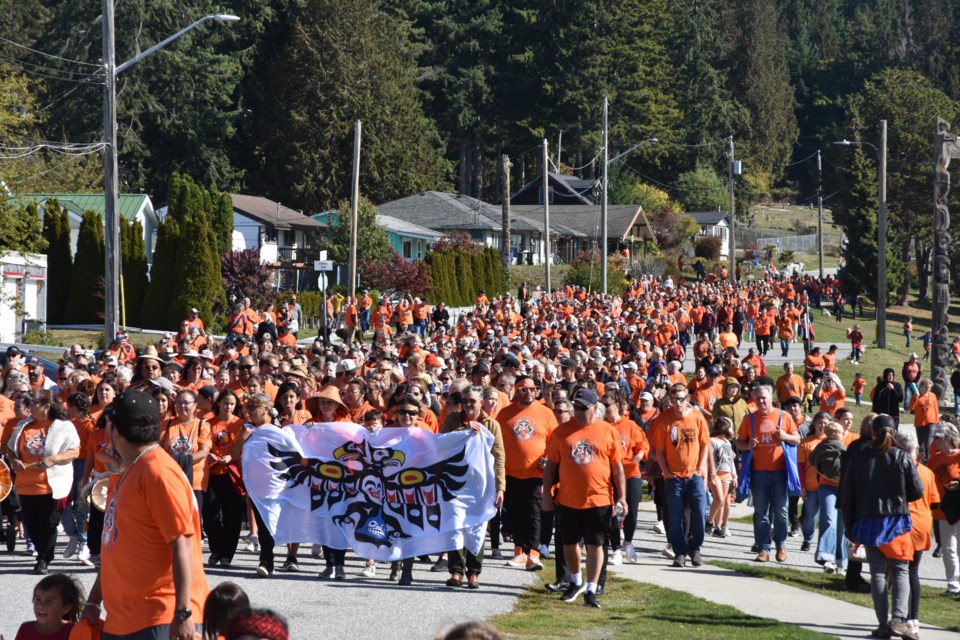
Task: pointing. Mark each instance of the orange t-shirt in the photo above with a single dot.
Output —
(680, 439)
(152, 506)
(830, 401)
(768, 454)
(920, 514)
(585, 455)
(525, 433)
(789, 386)
(925, 409)
(634, 442)
(945, 468)
(97, 441)
(187, 438)
(84, 427)
(223, 435)
(811, 480)
(32, 481)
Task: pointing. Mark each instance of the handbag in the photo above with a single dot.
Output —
(794, 487)
(856, 551)
(746, 462)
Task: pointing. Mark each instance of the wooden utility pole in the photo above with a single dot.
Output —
(882, 241)
(546, 215)
(603, 202)
(505, 229)
(733, 219)
(354, 213)
(819, 214)
(111, 214)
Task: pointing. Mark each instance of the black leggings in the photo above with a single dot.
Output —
(95, 531)
(40, 519)
(634, 495)
(222, 516)
(266, 541)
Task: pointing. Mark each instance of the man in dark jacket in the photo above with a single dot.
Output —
(888, 395)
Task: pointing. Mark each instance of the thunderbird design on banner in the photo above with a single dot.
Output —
(389, 495)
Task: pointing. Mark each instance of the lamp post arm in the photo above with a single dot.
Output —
(630, 150)
(160, 45)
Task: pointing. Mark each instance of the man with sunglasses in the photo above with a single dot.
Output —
(680, 443)
(587, 453)
(526, 426)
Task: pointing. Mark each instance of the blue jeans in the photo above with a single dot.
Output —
(830, 545)
(811, 507)
(956, 405)
(785, 346)
(364, 319)
(909, 389)
(74, 517)
(681, 492)
(769, 489)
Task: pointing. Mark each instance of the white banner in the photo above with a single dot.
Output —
(396, 494)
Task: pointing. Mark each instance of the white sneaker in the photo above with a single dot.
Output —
(658, 528)
(369, 571)
(829, 567)
(316, 551)
(631, 553)
(71, 549)
(667, 552)
(616, 558)
(544, 552)
(253, 544)
(83, 555)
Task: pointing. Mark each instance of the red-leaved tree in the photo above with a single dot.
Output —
(396, 276)
(245, 276)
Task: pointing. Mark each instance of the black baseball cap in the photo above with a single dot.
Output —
(13, 351)
(34, 361)
(134, 409)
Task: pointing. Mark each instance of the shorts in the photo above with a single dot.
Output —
(591, 524)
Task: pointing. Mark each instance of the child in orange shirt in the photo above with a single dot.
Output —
(859, 384)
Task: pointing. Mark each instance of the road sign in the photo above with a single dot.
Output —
(323, 265)
(322, 282)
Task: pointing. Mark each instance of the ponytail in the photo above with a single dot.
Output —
(884, 432)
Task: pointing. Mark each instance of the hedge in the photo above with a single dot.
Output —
(459, 276)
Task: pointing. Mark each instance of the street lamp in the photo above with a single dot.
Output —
(603, 198)
(111, 234)
(881, 229)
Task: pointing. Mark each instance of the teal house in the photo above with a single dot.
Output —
(409, 240)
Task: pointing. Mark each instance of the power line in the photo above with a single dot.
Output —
(24, 63)
(48, 55)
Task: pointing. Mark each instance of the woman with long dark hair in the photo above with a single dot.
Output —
(878, 486)
(223, 502)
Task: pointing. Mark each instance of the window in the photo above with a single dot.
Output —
(407, 249)
(540, 194)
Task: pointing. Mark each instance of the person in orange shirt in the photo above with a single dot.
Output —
(859, 384)
(526, 426)
(187, 438)
(151, 526)
(223, 502)
(813, 363)
(680, 442)
(763, 433)
(785, 333)
(926, 413)
(945, 464)
(789, 384)
(635, 450)
(832, 394)
(809, 479)
(587, 453)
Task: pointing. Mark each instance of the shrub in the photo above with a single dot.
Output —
(707, 247)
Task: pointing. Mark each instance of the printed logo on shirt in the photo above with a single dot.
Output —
(222, 438)
(36, 444)
(523, 429)
(181, 445)
(109, 534)
(583, 452)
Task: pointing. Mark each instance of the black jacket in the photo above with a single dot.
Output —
(878, 484)
(888, 401)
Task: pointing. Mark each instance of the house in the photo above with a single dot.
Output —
(132, 206)
(280, 234)
(483, 222)
(409, 240)
(561, 189)
(717, 224)
(626, 224)
(23, 294)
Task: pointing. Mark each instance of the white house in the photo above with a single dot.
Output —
(279, 233)
(132, 207)
(716, 224)
(23, 293)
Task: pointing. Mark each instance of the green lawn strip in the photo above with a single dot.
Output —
(634, 610)
(934, 608)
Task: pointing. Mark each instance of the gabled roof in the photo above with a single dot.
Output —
(451, 212)
(129, 204)
(272, 214)
(565, 187)
(709, 218)
(585, 219)
(407, 229)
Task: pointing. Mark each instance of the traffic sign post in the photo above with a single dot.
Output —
(324, 333)
(323, 265)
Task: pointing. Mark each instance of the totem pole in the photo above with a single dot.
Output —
(947, 148)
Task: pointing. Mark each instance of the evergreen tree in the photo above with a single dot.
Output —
(373, 243)
(85, 299)
(156, 300)
(197, 277)
(56, 231)
(221, 219)
(856, 213)
(134, 266)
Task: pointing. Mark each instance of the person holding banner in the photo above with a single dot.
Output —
(471, 417)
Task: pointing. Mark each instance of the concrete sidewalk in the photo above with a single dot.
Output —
(765, 598)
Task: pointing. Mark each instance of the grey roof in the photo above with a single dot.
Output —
(404, 228)
(585, 219)
(570, 186)
(272, 214)
(451, 212)
(708, 218)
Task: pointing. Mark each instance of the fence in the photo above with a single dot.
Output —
(760, 238)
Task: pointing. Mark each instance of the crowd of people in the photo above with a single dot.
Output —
(590, 398)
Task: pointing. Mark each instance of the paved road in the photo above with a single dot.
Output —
(356, 608)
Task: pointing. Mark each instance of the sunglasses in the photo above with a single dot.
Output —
(580, 407)
(407, 412)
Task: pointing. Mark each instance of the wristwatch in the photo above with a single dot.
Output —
(182, 614)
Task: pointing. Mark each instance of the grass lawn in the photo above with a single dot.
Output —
(934, 608)
(94, 339)
(636, 610)
(535, 275)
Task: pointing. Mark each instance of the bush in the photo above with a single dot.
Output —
(458, 276)
(40, 338)
(707, 247)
